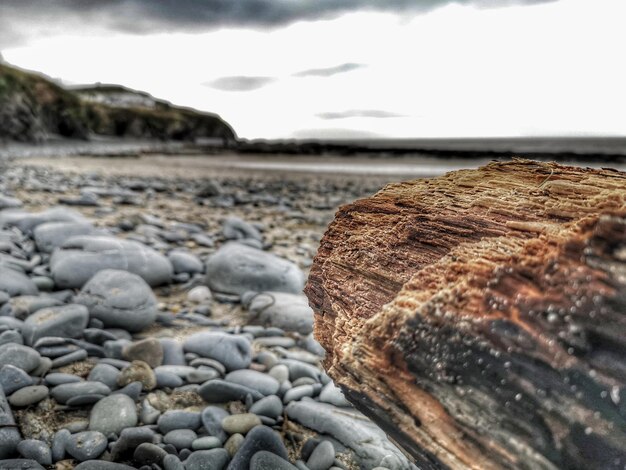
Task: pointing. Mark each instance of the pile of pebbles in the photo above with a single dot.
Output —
(157, 344)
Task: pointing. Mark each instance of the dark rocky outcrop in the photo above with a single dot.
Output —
(34, 109)
(480, 317)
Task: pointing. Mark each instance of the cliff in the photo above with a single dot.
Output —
(34, 108)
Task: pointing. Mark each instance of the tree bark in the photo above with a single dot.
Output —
(480, 317)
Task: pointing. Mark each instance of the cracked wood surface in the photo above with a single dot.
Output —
(480, 317)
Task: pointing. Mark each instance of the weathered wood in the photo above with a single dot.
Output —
(480, 317)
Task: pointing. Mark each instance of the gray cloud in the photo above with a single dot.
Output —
(329, 71)
(240, 83)
(368, 113)
(146, 16)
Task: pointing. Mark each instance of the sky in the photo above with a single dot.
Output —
(345, 68)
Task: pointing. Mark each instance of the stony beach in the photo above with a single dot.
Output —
(151, 316)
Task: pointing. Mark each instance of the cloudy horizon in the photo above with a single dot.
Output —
(357, 68)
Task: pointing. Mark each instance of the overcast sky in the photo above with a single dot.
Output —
(345, 68)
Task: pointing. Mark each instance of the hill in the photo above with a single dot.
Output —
(33, 108)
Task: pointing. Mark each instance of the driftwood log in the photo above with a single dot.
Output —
(480, 317)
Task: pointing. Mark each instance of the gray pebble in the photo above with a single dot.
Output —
(259, 438)
(28, 395)
(104, 373)
(148, 454)
(86, 445)
(70, 358)
(220, 391)
(240, 423)
(233, 351)
(62, 393)
(263, 383)
(214, 459)
(212, 417)
(13, 378)
(298, 393)
(322, 456)
(20, 356)
(264, 460)
(112, 414)
(180, 438)
(171, 462)
(58, 378)
(35, 450)
(178, 419)
(206, 443)
(270, 406)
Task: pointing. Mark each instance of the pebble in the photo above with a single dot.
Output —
(180, 438)
(148, 350)
(259, 438)
(58, 378)
(62, 393)
(263, 383)
(206, 443)
(199, 294)
(240, 423)
(119, 299)
(171, 462)
(220, 391)
(19, 356)
(333, 395)
(28, 395)
(233, 351)
(86, 445)
(129, 439)
(280, 372)
(66, 321)
(104, 373)
(214, 459)
(233, 444)
(167, 380)
(173, 354)
(13, 378)
(264, 460)
(35, 450)
(322, 457)
(138, 371)
(148, 454)
(101, 465)
(112, 414)
(70, 358)
(298, 393)
(178, 419)
(212, 417)
(270, 406)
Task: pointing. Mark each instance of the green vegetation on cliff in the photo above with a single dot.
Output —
(33, 108)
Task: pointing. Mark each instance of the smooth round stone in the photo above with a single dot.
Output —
(297, 393)
(138, 371)
(200, 376)
(235, 228)
(212, 417)
(104, 373)
(101, 465)
(148, 350)
(236, 268)
(83, 400)
(51, 235)
(28, 395)
(199, 294)
(213, 459)
(171, 462)
(128, 441)
(173, 354)
(206, 443)
(259, 438)
(15, 283)
(240, 423)
(148, 454)
(264, 460)
(270, 406)
(86, 445)
(303, 381)
(19, 356)
(280, 372)
(112, 414)
(77, 425)
(132, 390)
(58, 444)
(35, 450)
(178, 419)
(66, 321)
(119, 299)
(322, 457)
(205, 361)
(263, 383)
(299, 369)
(233, 351)
(62, 393)
(167, 380)
(11, 336)
(59, 378)
(220, 391)
(184, 262)
(81, 257)
(70, 358)
(290, 312)
(233, 444)
(180, 438)
(13, 378)
(181, 371)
